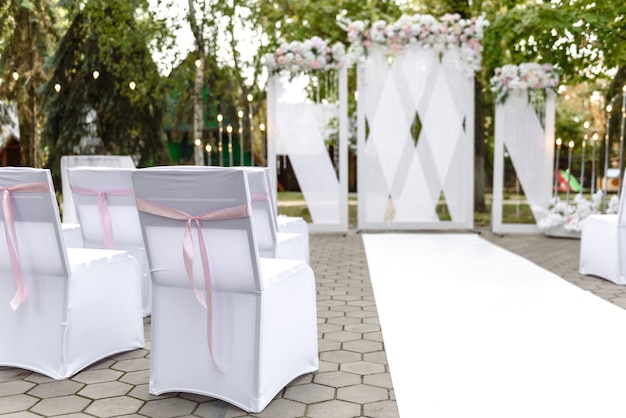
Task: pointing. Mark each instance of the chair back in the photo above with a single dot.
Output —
(264, 216)
(31, 243)
(216, 199)
(69, 161)
(105, 206)
(621, 209)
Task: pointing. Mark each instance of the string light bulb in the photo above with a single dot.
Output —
(95, 74)
(15, 75)
(132, 85)
(609, 108)
(571, 144)
(558, 142)
(198, 63)
(261, 127)
(57, 87)
(197, 142)
(220, 117)
(249, 97)
(229, 129)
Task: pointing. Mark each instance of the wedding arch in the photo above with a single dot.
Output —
(306, 110)
(415, 121)
(524, 134)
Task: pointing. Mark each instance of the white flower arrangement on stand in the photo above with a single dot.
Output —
(529, 76)
(569, 217)
(447, 33)
(305, 56)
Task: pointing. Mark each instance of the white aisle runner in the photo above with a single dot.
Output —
(472, 330)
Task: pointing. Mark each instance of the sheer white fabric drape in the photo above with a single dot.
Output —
(527, 135)
(298, 128)
(401, 180)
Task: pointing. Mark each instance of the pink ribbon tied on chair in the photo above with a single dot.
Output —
(103, 209)
(21, 290)
(236, 212)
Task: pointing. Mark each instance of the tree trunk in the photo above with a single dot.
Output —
(479, 150)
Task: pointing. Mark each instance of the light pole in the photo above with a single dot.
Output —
(240, 130)
(220, 130)
(262, 129)
(208, 149)
(251, 130)
(229, 130)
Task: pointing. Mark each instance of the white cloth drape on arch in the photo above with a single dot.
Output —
(400, 180)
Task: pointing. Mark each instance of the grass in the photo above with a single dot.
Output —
(292, 204)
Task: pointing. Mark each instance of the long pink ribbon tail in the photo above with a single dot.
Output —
(21, 290)
(236, 212)
(103, 210)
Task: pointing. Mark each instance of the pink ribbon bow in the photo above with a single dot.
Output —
(103, 210)
(21, 290)
(236, 212)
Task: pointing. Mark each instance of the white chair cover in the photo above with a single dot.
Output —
(284, 223)
(105, 204)
(603, 245)
(258, 330)
(60, 310)
(68, 161)
(271, 242)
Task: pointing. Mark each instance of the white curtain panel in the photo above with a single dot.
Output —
(298, 129)
(400, 181)
(529, 142)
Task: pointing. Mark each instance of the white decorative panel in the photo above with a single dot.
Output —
(401, 180)
(298, 128)
(529, 142)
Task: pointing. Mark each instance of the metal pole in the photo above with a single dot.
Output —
(220, 161)
(251, 130)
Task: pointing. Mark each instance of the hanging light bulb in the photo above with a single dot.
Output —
(198, 63)
(132, 85)
(57, 87)
(15, 75)
(95, 74)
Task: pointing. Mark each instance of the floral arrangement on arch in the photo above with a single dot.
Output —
(303, 56)
(526, 76)
(571, 216)
(447, 33)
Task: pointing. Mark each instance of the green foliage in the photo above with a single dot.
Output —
(128, 121)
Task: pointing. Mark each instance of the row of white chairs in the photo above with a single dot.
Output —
(226, 322)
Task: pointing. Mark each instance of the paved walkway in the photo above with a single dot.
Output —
(353, 380)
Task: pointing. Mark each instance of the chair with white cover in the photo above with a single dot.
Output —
(61, 309)
(603, 245)
(272, 243)
(285, 223)
(225, 322)
(69, 161)
(105, 204)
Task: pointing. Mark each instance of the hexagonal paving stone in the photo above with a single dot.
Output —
(337, 379)
(362, 314)
(8, 374)
(387, 409)
(136, 378)
(139, 353)
(171, 407)
(282, 408)
(373, 336)
(109, 407)
(56, 388)
(334, 409)
(132, 365)
(217, 408)
(14, 387)
(16, 403)
(329, 314)
(362, 367)
(327, 345)
(362, 346)
(60, 406)
(97, 376)
(327, 366)
(340, 356)
(326, 328)
(361, 327)
(343, 336)
(382, 380)
(362, 394)
(344, 320)
(105, 390)
(309, 393)
(379, 357)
